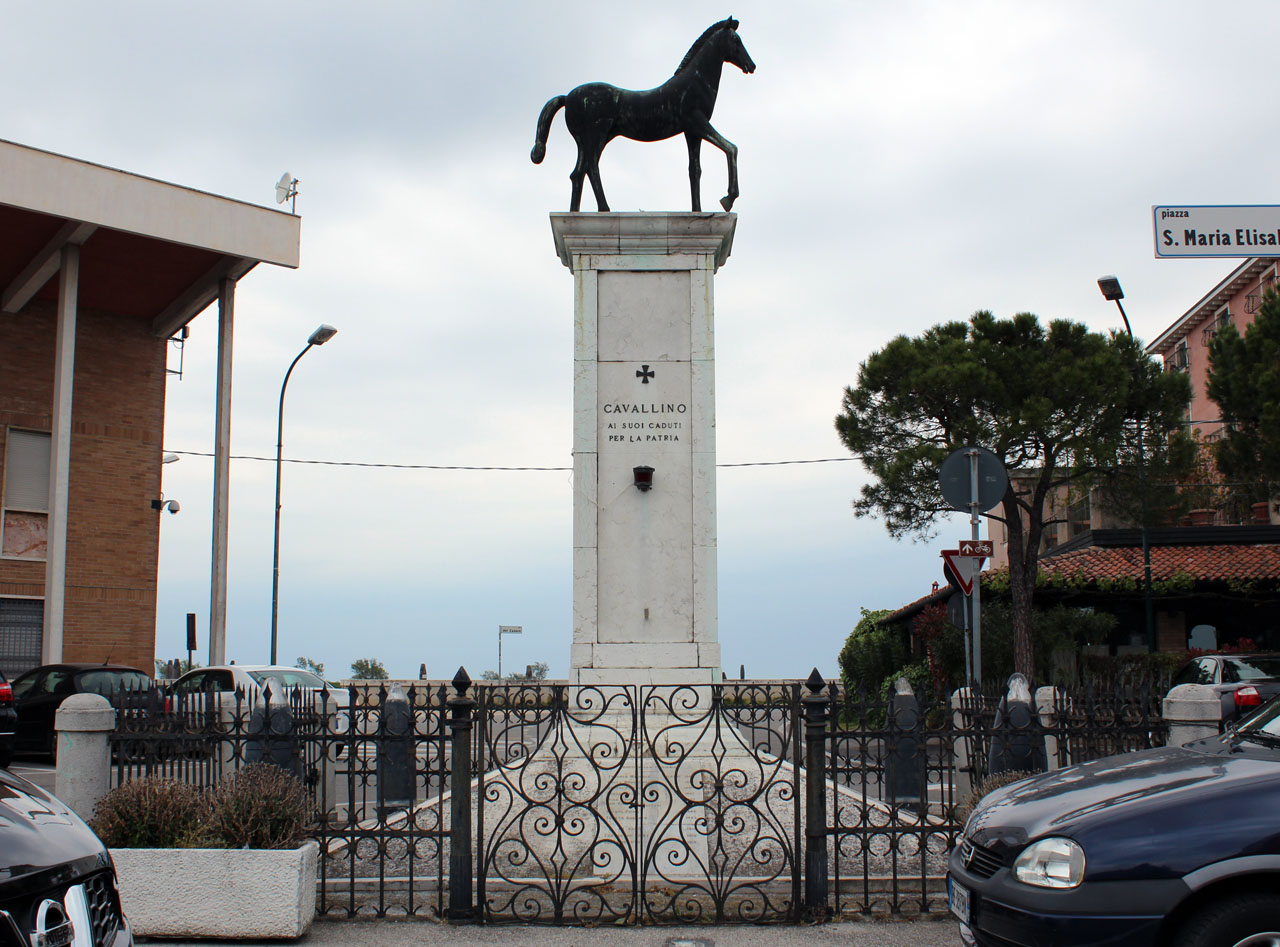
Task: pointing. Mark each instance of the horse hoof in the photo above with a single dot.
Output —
(726, 203)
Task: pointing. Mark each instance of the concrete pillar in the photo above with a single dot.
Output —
(55, 570)
(221, 476)
(962, 744)
(1193, 712)
(84, 723)
(1048, 700)
(644, 550)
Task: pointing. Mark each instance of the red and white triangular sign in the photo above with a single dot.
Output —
(964, 568)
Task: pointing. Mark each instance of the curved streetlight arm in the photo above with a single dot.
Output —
(275, 553)
(1125, 317)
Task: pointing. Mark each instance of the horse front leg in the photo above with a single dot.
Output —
(730, 150)
(694, 141)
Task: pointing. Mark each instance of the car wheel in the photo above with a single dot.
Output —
(1242, 920)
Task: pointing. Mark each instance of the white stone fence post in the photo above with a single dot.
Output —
(1193, 712)
(84, 723)
(962, 745)
(1049, 700)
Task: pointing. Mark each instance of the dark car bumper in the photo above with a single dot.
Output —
(1006, 913)
(8, 722)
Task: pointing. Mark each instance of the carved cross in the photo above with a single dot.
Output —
(645, 375)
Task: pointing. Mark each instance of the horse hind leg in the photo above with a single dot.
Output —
(575, 179)
(593, 172)
(694, 141)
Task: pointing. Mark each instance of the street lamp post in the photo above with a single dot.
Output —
(1111, 291)
(505, 630)
(322, 335)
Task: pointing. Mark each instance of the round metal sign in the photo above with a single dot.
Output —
(954, 478)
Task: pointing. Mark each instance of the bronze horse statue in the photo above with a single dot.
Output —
(596, 113)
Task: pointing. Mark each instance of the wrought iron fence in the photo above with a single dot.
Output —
(546, 803)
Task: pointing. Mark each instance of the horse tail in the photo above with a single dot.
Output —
(544, 128)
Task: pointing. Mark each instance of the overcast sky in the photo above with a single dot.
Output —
(901, 164)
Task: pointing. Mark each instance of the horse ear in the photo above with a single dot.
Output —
(732, 23)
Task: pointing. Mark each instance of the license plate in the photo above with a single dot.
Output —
(958, 900)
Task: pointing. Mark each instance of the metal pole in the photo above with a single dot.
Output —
(975, 526)
(506, 630)
(461, 904)
(275, 553)
(1148, 605)
(815, 824)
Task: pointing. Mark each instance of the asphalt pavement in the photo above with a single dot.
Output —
(332, 933)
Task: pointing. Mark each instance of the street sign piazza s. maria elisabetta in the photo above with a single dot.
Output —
(1208, 230)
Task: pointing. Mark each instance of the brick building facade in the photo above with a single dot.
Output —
(112, 531)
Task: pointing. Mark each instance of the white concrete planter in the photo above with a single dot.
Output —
(216, 892)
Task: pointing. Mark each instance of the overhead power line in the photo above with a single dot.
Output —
(359, 463)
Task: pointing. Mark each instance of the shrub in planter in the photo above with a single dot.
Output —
(151, 813)
(238, 868)
(261, 806)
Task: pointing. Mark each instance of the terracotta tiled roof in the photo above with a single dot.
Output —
(1205, 563)
(937, 595)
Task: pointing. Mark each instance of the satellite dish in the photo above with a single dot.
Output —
(287, 189)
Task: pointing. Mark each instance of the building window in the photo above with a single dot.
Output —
(1267, 280)
(21, 634)
(1080, 516)
(1221, 318)
(1178, 361)
(24, 506)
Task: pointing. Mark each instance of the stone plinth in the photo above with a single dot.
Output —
(644, 583)
(83, 723)
(1193, 712)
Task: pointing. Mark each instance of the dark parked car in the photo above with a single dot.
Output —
(1244, 681)
(57, 884)
(1178, 846)
(40, 692)
(8, 721)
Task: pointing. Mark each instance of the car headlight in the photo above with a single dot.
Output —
(1050, 863)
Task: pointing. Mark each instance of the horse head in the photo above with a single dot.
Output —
(735, 52)
(722, 40)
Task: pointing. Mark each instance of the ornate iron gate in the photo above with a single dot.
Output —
(637, 804)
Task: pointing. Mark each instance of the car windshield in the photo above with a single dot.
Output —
(1257, 667)
(108, 682)
(288, 678)
(1264, 720)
